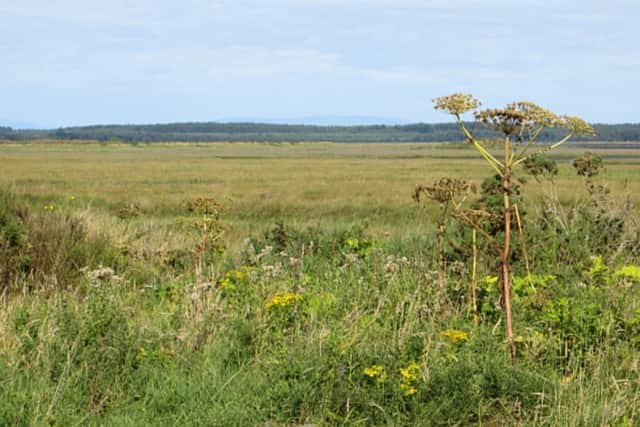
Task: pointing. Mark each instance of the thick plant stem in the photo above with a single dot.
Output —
(441, 261)
(506, 251)
(474, 270)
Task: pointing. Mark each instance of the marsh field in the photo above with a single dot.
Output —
(290, 284)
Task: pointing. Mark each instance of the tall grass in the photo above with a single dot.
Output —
(104, 319)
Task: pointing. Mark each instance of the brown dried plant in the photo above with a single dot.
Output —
(450, 194)
(204, 220)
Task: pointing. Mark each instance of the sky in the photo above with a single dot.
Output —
(77, 62)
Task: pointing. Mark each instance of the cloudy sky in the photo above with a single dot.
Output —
(66, 62)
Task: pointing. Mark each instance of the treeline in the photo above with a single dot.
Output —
(210, 131)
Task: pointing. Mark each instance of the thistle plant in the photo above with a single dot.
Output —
(520, 124)
(449, 193)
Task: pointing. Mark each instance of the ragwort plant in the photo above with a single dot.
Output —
(520, 123)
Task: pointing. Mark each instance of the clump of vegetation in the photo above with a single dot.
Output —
(332, 322)
(521, 123)
(450, 194)
(44, 249)
(129, 211)
(204, 222)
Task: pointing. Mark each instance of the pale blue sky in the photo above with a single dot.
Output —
(65, 62)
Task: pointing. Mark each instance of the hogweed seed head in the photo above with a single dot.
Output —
(588, 165)
(518, 117)
(577, 126)
(444, 190)
(457, 103)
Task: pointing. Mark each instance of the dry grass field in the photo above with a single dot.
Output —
(305, 183)
(314, 298)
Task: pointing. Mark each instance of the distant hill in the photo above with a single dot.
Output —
(18, 124)
(214, 131)
(320, 120)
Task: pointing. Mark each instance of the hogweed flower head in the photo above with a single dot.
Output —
(577, 126)
(457, 103)
(518, 117)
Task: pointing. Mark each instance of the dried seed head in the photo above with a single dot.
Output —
(539, 165)
(577, 126)
(518, 117)
(457, 103)
(588, 165)
(444, 190)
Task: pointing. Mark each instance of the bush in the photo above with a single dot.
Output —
(45, 249)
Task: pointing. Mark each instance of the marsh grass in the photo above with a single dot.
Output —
(129, 334)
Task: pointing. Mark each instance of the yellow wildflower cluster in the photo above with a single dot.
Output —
(599, 269)
(376, 372)
(50, 208)
(283, 299)
(490, 280)
(409, 378)
(235, 277)
(232, 278)
(628, 272)
(455, 336)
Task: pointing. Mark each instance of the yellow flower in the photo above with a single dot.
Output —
(455, 336)
(410, 373)
(408, 389)
(282, 299)
(235, 277)
(227, 284)
(409, 378)
(376, 372)
(490, 280)
(630, 272)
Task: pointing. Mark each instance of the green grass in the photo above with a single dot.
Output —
(173, 335)
(304, 183)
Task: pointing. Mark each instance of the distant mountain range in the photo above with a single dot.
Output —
(327, 120)
(321, 120)
(19, 125)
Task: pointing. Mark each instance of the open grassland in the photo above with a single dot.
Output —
(260, 183)
(246, 284)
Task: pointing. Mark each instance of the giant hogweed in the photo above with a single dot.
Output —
(520, 123)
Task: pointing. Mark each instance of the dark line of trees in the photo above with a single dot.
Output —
(209, 132)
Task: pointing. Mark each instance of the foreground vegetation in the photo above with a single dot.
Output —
(299, 284)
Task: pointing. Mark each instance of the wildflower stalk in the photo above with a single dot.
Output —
(523, 243)
(450, 194)
(474, 273)
(524, 121)
(506, 248)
